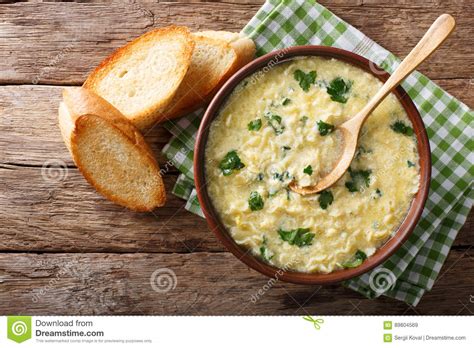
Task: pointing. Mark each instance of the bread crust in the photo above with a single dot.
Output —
(147, 117)
(243, 50)
(81, 105)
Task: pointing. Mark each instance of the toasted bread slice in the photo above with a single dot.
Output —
(216, 56)
(110, 151)
(141, 78)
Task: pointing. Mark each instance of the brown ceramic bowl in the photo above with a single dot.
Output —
(385, 251)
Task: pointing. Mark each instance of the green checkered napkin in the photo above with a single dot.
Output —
(412, 270)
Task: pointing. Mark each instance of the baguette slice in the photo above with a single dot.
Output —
(142, 77)
(216, 56)
(109, 151)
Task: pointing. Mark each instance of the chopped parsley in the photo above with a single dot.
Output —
(285, 148)
(360, 178)
(255, 125)
(285, 101)
(255, 201)
(410, 164)
(282, 176)
(325, 128)
(325, 199)
(260, 176)
(402, 128)
(299, 237)
(275, 122)
(356, 260)
(308, 170)
(361, 150)
(378, 192)
(264, 252)
(338, 90)
(303, 120)
(305, 80)
(230, 162)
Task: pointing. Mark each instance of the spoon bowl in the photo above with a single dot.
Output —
(213, 219)
(350, 130)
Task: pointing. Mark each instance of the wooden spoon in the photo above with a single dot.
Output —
(350, 130)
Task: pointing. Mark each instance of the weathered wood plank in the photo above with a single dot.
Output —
(68, 215)
(205, 283)
(59, 211)
(29, 134)
(59, 43)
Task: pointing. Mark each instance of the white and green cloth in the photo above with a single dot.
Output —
(412, 270)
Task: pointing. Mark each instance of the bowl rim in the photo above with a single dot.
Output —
(382, 253)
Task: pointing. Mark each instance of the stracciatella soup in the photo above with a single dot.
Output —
(281, 126)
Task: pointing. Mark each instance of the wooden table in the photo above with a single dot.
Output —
(65, 250)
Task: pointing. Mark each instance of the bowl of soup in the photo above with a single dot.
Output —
(274, 122)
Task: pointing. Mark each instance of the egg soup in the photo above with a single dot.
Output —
(281, 125)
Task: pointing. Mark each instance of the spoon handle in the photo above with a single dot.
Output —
(433, 38)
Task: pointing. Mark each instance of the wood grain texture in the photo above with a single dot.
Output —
(58, 210)
(46, 209)
(205, 284)
(29, 134)
(65, 250)
(29, 131)
(59, 43)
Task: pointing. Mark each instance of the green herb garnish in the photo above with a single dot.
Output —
(338, 89)
(299, 237)
(255, 201)
(260, 176)
(285, 101)
(356, 260)
(308, 170)
(410, 164)
(361, 150)
(324, 128)
(378, 192)
(305, 80)
(230, 162)
(275, 122)
(360, 178)
(351, 186)
(255, 125)
(282, 176)
(402, 128)
(285, 148)
(264, 252)
(325, 199)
